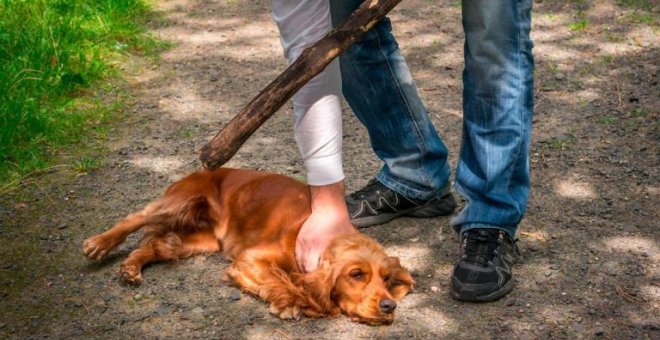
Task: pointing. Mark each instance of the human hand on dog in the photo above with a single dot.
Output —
(329, 219)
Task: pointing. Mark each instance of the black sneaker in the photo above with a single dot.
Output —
(376, 204)
(484, 271)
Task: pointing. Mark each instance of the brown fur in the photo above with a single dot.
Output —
(253, 218)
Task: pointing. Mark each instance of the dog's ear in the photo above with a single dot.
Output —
(318, 286)
(401, 282)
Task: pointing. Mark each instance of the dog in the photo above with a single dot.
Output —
(253, 217)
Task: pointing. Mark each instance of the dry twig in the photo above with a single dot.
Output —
(627, 296)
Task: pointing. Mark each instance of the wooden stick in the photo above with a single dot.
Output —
(310, 63)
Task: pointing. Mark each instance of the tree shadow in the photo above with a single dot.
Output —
(590, 247)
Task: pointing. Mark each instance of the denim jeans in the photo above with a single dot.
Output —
(493, 168)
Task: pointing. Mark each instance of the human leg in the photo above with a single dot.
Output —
(493, 169)
(414, 179)
(379, 88)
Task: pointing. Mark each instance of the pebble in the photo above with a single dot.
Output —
(197, 310)
(434, 289)
(160, 311)
(534, 246)
(138, 297)
(235, 295)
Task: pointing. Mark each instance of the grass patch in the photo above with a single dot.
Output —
(644, 18)
(579, 25)
(607, 120)
(644, 12)
(86, 164)
(646, 5)
(52, 55)
(639, 112)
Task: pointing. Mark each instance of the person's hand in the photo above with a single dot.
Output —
(329, 219)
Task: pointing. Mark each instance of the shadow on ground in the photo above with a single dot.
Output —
(590, 264)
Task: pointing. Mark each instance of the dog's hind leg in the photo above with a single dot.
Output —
(166, 247)
(98, 246)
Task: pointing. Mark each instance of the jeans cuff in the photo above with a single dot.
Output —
(510, 230)
(414, 193)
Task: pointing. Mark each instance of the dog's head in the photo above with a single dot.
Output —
(357, 278)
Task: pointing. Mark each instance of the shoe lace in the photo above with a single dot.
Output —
(482, 246)
(373, 186)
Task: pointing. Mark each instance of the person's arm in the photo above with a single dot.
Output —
(318, 129)
(329, 218)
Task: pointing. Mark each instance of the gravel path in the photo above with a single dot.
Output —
(591, 251)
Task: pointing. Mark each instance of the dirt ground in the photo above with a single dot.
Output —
(590, 266)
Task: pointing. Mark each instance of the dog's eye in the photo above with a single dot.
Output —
(357, 274)
(386, 278)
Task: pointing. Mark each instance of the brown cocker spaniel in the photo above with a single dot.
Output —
(253, 217)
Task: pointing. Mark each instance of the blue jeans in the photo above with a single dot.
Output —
(493, 168)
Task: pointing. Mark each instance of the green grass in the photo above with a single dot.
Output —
(579, 25)
(636, 4)
(52, 55)
(607, 120)
(86, 164)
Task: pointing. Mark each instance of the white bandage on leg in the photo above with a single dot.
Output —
(316, 106)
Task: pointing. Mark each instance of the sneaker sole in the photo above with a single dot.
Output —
(470, 295)
(445, 206)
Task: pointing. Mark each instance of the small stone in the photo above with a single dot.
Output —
(434, 289)
(235, 295)
(197, 310)
(533, 246)
(591, 311)
(138, 297)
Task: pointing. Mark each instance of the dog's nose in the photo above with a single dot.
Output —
(387, 305)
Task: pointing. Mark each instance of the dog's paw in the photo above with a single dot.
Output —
(285, 313)
(97, 247)
(130, 274)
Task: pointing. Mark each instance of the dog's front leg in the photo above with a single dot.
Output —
(265, 272)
